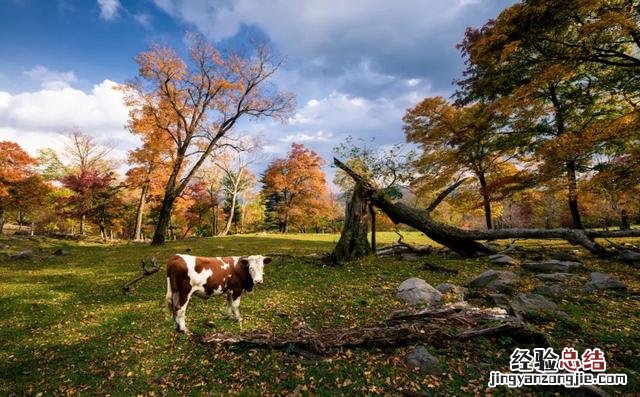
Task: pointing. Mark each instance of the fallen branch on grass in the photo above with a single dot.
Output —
(146, 272)
(436, 327)
(402, 246)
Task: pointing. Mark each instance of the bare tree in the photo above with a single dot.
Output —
(237, 177)
(84, 153)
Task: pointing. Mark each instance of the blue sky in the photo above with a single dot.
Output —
(355, 66)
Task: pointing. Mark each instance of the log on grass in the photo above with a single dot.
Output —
(431, 326)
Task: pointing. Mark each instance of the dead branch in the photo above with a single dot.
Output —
(413, 248)
(431, 326)
(146, 272)
(402, 247)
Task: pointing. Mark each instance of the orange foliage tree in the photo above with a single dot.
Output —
(15, 165)
(150, 163)
(196, 102)
(456, 140)
(295, 189)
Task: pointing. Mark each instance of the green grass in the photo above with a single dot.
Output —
(66, 327)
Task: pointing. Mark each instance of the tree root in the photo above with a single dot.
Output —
(439, 326)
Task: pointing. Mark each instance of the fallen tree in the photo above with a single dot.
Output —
(467, 242)
(436, 327)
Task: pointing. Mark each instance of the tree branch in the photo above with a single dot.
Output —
(446, 192)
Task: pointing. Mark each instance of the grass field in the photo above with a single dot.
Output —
(67, 328)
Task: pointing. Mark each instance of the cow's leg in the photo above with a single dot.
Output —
(229, 309)
(169, 297)
(180, 311)
(235, 305)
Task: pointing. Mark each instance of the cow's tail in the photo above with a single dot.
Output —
(169, 297)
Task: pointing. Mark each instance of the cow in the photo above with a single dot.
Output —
(189, 275)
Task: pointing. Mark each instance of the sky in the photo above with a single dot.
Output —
(355, 66)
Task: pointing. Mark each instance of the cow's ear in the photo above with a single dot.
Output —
(266, 260)
(244, 262)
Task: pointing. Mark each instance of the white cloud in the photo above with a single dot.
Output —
(108, 9)
(143, 19)
(51, 79)
(308, 137)
(400, 36)
(35, 119)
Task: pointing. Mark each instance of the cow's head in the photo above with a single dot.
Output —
(255, 265)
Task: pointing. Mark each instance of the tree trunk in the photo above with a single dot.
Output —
(82, 218)
(573, 195)
(353, 240)
(214, 220)
(163, 220)
(486, 200)
(232, 211)
(372, 214)
(284, 224)
(1, 219)
(140, 212)
(624, 220)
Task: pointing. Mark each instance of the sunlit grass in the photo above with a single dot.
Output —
(66, 326)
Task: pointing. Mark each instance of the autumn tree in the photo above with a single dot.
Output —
(150, 165)
(569, 111)
(15, 165)
(26, 196)
(456, 140)
(211, 179)
(95, 196)
(197, 101)
(295, 187)
(198, 208)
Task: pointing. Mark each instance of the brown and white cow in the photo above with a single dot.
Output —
(189, 275)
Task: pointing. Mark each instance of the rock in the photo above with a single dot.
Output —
(600, 281)
(533, 306)
(419, 357)
(210, 324)
(377, 290)
(26, 254)
(565, 256)
(555, 276)
(502, 259)
(452, 290)
(553, 265)
(500, 300)
(494, 280)
(60, 252)
(554, 290)
(416, 291)
(629, 256)
(410, 257)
